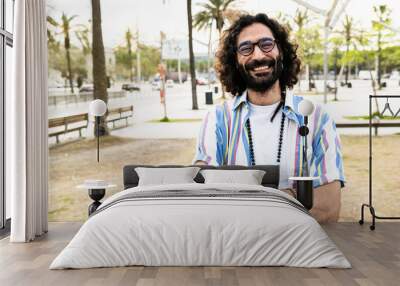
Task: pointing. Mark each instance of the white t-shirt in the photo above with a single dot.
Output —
(265, 136)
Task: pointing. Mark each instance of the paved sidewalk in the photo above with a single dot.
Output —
(147, 109)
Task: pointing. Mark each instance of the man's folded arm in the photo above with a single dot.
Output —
(206, 144)
(327, 165)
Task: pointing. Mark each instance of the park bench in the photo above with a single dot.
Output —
(70, 123)
(375, 125)
(120, 113)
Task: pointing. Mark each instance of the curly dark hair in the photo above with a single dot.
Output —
(226, 59)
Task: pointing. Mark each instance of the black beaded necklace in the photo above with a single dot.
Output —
(251, 147)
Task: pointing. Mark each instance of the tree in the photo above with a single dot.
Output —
(65, 26)
(83, 37)
(391, 58)
(128, 38)
(99, 62)
(359, 55)
(348, 35)
(58, 62)
(215, 11)
(380, 24)
(309, 41)
(337, 42)
(52, 42)
(150, 58)
(232, 15)
(363, 39)
(300, 19)
(191, 55)
(352, 38)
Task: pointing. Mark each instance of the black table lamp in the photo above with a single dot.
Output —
(97, 108)
(304, 183)
(306, 108)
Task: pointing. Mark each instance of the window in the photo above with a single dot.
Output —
(6, 43)
(131, 71)
(9, 19)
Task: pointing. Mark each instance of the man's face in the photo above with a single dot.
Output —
(262, 67)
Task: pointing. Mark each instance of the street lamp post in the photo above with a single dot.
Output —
(178, 50)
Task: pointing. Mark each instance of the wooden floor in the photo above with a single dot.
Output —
(375, 257)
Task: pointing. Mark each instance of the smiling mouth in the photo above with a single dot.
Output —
(261, 70)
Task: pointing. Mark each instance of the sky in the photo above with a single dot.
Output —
(170, 16)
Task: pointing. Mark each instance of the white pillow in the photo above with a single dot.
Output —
(165, 176)
(248, 177)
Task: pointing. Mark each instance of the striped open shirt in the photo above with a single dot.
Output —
(223, 139)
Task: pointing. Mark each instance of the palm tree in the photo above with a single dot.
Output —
(204, 20)
(66, 29)
(213, 10)
(128, 38)
(51, 35)
(191, 55)
(348, 27)
(382, 13)
(232, 15)
(99, 62)
(65, 26)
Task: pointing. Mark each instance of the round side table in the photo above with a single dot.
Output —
(96, 193)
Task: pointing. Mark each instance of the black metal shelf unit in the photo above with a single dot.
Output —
(369, 205)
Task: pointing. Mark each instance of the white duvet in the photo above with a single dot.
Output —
(183, 231)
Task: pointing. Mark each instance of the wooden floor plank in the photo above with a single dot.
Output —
(375, 257)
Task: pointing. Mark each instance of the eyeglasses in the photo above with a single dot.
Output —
(247, 48)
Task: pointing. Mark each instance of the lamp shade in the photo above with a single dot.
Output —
(306, 107)
(97, 107)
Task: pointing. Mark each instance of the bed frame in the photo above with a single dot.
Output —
(270, 179)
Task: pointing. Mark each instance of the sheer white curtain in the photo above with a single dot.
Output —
(26, 119)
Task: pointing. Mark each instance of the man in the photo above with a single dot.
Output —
(258, 65)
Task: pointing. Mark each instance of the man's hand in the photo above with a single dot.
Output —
(326, 206)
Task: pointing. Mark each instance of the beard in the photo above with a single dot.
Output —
(261, 81)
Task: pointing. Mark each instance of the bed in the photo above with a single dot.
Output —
(201, 224)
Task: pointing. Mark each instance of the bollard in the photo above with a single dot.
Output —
(209, 97)
(216, 89)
